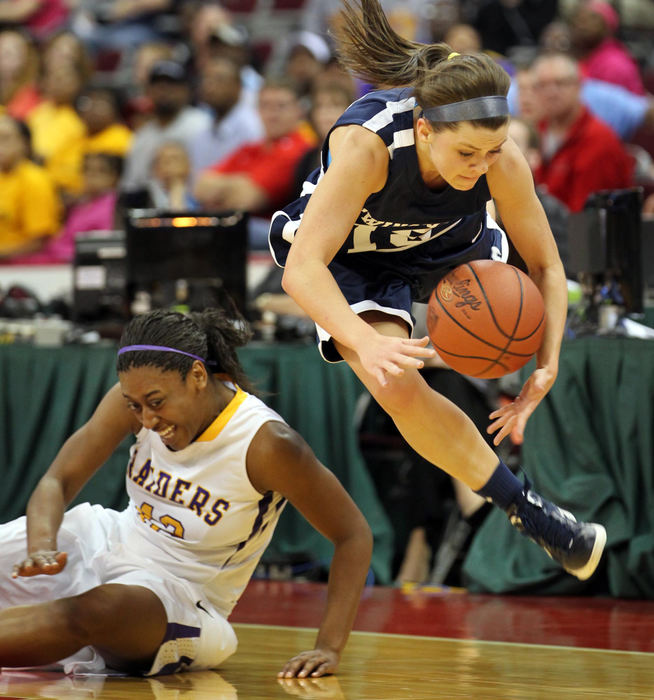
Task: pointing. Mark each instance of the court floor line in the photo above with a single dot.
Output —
(453, 639)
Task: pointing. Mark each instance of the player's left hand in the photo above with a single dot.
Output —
(313, 663)
(512, 418)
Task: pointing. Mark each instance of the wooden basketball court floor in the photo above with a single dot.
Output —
(411, 643)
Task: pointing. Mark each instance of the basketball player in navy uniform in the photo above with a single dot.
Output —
(148, 590)
(401, 198)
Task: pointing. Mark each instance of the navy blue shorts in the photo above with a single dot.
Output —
(390, 282)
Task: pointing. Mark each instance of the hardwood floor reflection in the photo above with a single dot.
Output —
(374, 667)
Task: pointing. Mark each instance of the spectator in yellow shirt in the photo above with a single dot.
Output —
(104, 132)
(29, 208)
(99, 109)
(55, 124)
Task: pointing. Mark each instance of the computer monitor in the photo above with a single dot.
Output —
(648, 255)
(194, 260)
(605, 240)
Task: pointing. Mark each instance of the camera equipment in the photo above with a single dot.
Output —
(99, 278)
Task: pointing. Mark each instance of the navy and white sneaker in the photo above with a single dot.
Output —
(576, 546)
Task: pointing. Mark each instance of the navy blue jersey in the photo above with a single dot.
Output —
(406, 213)
(407, 236)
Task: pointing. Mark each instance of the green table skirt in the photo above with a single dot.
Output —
(589, 446)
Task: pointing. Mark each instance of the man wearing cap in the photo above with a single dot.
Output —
(307, 56)
(212, 33)
(174, 119)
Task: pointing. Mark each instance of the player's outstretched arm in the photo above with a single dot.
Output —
(79, 458)
(280, 460)
(525, 222)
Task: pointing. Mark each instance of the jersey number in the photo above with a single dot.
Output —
(165, 522)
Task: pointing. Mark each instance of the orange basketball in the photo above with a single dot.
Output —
(486, 318)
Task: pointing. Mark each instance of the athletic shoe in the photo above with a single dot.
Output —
(576, 546)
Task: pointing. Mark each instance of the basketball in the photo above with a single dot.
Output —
(486, 318)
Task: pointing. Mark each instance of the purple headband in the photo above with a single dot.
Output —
(163, 348)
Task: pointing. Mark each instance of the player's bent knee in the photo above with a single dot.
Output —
(89, 616)
(398, 397)
(75, 619)
(131, 618)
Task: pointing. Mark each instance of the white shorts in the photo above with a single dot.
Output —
(197, 636)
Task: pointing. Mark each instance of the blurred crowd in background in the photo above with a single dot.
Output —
(196, 105)
(107, 105)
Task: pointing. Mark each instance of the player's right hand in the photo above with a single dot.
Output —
(389, 356)
(40, 562)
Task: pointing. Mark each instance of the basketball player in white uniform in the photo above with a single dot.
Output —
(149, 590)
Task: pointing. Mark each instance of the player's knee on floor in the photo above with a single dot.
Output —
(72, 616)
(130, 619)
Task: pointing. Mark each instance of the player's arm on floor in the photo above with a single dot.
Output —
(85, 451)
(280, 460)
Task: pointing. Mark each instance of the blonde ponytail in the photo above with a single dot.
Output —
(371, 49)
(368, 46)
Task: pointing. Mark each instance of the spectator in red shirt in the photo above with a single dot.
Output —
(580, 153)
(258, 177)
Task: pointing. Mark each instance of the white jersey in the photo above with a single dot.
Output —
(195, 511)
